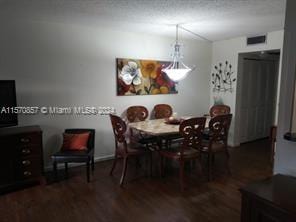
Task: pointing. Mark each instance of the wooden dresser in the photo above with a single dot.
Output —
(21, 158)
(270, 200)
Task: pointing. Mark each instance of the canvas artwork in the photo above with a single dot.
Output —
(143, 77)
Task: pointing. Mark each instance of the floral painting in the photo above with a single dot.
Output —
(143, 77)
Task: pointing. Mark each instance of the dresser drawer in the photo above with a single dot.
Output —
(21, 156)
(28, 161)
(28, 139)
(28, 168)
(29, 150)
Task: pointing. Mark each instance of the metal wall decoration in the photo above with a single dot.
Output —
(222, 79)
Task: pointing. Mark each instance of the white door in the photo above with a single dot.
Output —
(258, 99)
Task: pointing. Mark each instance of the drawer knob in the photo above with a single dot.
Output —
(27, 173)
(26, 162)
(26, 151)
(25, 140)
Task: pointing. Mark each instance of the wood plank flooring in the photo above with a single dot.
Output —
(143, 198)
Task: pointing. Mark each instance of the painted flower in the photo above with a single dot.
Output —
(131, 74)
(164, 90)
(122, 87)
(160, 90)
(155, 91)
(163, 80)
(149, 68)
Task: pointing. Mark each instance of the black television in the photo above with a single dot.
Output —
(8, 116)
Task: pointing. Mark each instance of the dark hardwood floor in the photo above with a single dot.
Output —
(143, 198)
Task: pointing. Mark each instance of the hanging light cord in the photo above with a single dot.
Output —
(193, 33)
(177, 26)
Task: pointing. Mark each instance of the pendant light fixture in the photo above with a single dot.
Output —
(177, 70)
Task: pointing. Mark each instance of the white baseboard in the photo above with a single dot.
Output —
(97, 159)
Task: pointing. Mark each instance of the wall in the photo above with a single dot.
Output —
(229, 50)
(286, 151)
(57, 64)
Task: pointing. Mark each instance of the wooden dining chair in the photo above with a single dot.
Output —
(191, 130)
(161, 111)
(122, 148)
(217, 110)
(136, 114)
(217, 141)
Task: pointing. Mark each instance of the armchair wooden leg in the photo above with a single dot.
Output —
(66, 170)
(55, 171)
(181, 172)
(138, 163)
(199, 166)
(87, 170)
(161, 166)
(167, 144)
(228, 162)
(213, 158)
(147, 159)
(114, 164)
(123, 171)
(93, 164)
(150, 157)
(209, 167)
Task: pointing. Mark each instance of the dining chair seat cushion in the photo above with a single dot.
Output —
(72, 155)
(216, 147)
(175, 153)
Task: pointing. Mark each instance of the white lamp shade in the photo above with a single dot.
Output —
(176, 74)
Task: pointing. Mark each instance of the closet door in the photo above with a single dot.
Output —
(258, 99)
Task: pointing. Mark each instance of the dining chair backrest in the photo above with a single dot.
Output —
(192, 132)
(217, 110)
(162, 111)
(137, 113)
(119, 130)
(219, 127)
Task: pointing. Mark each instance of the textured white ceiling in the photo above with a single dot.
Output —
(213, 19)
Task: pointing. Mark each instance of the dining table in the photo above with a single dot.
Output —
(160, 128)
